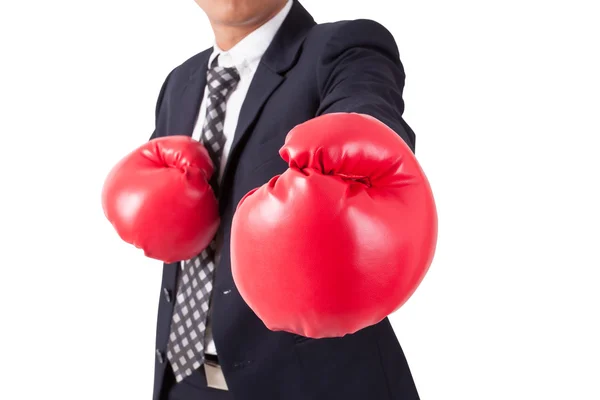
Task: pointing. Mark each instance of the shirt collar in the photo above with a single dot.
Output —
(249, 51)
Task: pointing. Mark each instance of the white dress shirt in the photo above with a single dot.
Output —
(245, 57)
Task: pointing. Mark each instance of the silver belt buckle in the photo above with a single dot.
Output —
(214, 375)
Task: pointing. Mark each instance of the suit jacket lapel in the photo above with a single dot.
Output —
(190, 98)
(264, 83)
(277, 60)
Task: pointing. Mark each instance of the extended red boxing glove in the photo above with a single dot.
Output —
(341, 239)
(159, 199)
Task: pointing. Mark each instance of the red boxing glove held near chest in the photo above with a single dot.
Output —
(341, 239)
(159, 198)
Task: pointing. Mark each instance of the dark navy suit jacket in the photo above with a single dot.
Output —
(309, 69)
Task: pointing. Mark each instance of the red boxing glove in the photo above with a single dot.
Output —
(159, 198)
(341, 239)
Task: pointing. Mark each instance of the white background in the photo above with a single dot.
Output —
(503, 96)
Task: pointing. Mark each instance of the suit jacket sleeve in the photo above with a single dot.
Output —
(360, 71)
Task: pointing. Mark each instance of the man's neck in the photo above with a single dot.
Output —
(227, 36)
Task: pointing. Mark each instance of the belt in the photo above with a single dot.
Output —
(211, 358)
(214, 375)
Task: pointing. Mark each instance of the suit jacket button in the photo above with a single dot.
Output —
(167, 294)
(159, 356)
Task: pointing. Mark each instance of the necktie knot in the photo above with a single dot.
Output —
(222, 81)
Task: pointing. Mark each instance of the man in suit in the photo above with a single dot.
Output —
(271, 68)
